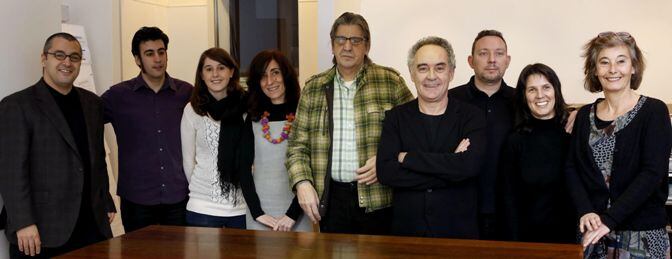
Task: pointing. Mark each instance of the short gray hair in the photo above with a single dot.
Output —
(432, 40)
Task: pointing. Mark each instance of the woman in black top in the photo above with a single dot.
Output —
(618, 160)
(536, 206)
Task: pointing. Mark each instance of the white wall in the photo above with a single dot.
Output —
(25, 26)
(189, 31)
(551, 32)
(308, 48)
(186, 24)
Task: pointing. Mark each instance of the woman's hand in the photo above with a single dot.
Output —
(267, 220)
(589, 222)
(284, 224)
(591, 237)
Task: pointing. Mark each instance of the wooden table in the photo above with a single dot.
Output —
(192, 242)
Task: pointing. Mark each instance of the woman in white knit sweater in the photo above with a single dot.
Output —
(217, 146)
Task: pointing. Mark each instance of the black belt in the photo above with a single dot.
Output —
(350, 186)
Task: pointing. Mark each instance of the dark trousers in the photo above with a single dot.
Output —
(487, 226)
(202, 220)
(136, 216)
(345, 216)
(86, 232)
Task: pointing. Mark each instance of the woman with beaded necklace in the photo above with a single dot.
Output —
(274, 94)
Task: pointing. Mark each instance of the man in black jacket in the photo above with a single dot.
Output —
(54, 176)
(430, 150)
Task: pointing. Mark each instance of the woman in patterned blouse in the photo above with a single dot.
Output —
(618, 158)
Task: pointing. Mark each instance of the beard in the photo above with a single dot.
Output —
(490, 79)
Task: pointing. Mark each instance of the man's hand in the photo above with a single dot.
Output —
(29, 240)
(401, 157)
(284, 224)
(463, 146)
(267, 220)
(367, 173)
(308, 200)
(110, 216)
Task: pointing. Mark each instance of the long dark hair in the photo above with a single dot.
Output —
(523, 113)
(232, 154)
(199, 96)
(258, 101)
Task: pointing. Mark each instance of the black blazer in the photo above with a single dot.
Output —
(41, 170)
(435, 190)
(638, 187)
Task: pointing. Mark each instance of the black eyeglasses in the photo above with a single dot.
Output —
(623, 35)
(60, 55)
(340, 40)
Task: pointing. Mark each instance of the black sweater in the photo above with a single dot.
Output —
(638, 186)
(435, 189)
(535, 204)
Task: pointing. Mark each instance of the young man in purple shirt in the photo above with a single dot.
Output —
(145, 112)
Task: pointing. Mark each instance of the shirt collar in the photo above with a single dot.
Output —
(338, 79)
(504, 90)
(138, 82)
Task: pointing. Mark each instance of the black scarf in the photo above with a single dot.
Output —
(236, 149)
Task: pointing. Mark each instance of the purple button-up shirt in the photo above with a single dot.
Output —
(147, 125)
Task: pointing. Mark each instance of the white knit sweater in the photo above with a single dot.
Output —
(200, 141)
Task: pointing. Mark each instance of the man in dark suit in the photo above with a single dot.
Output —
(53, 174)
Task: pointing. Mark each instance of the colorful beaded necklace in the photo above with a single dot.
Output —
(285, 130)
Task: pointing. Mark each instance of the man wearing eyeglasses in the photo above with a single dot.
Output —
(333, 144)
(54, 177)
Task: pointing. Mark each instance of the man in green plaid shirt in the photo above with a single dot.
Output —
(332, 147)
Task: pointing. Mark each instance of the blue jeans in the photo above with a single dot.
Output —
(202, 220)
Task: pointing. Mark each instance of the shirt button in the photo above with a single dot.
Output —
(162, 168)
(161, 149)
(158, 131)
(489, 110)
(429, 190)
(163, 185)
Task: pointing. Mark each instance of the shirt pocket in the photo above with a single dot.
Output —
(376, 113)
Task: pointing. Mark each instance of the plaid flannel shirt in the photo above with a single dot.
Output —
(379, 89)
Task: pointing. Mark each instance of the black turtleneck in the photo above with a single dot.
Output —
(278, 112)
(535, 203)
